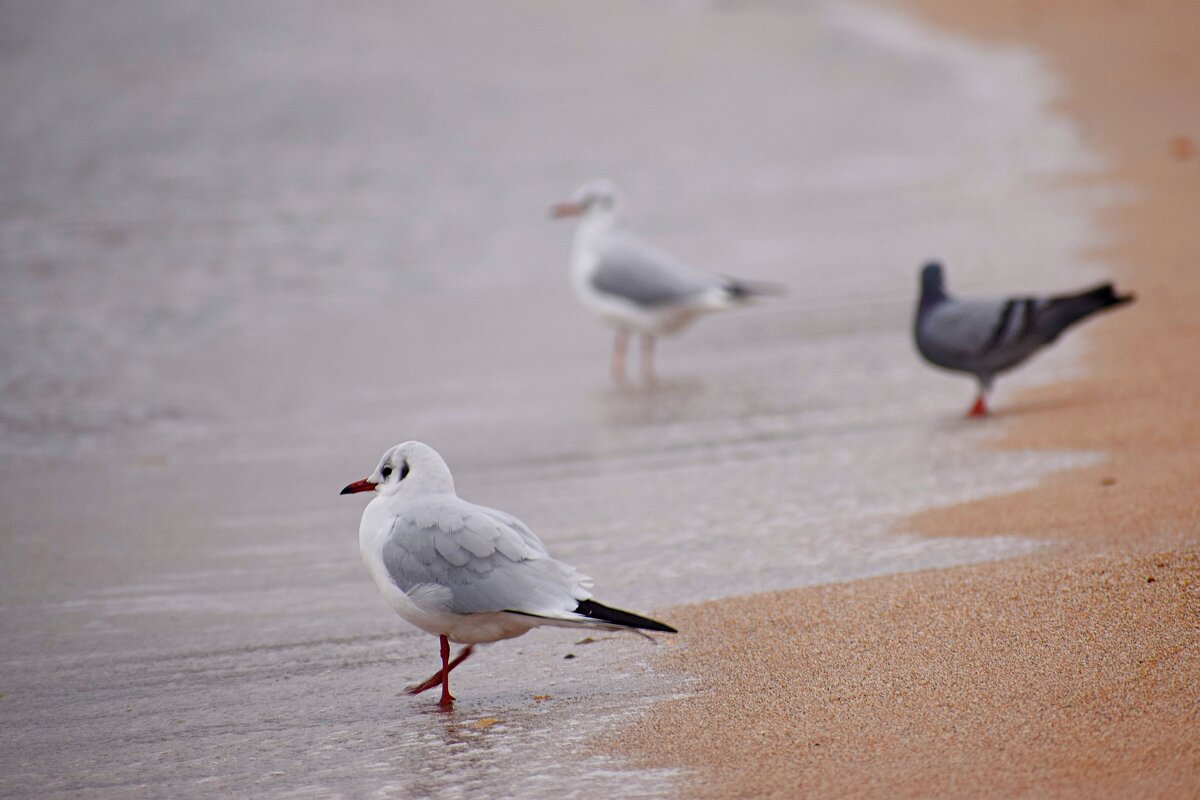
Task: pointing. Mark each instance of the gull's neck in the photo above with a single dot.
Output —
(592, 227)
(595, 223)
(386, 507)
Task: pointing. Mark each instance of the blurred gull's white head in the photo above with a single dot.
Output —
(597, 196)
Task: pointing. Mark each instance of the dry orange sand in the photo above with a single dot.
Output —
(1073, 674)
(1054, 679)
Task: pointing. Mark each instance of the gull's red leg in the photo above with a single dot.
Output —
(447, 698)
(620, 345)
(648, 359)
(438, 676)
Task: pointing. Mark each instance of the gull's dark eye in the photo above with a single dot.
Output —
(403, 470)
(385, 472)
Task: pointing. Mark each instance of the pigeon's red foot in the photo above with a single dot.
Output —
(980, 408)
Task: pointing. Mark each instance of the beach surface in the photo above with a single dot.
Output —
(249, 246)
(1070, 673)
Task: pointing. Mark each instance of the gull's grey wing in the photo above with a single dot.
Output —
(644, 275)
(489, 560)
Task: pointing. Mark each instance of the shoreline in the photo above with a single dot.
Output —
(1070, 672)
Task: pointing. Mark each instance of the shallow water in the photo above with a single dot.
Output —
(245, 249)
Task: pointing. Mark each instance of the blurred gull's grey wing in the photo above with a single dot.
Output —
(643, 275)
(488, 560)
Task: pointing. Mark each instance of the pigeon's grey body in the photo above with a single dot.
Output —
(985, 337)
(465, 572)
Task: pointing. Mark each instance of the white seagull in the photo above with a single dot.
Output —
(634, 287)
(465, 573)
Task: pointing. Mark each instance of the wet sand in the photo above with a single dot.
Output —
(1073, 673)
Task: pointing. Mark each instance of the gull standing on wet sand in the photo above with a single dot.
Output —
(988, 336)
(466, 573)
(634, 287)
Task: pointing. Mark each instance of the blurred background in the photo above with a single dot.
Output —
(246, 247)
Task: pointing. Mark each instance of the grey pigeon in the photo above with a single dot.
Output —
(464, 572)
(988, 336)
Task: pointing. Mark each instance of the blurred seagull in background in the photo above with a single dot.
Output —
(988, 336)
(634, 287)
(466, 573)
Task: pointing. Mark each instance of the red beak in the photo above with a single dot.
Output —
(359, 486)
(566, 210)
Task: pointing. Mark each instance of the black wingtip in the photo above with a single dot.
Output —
(615, 616)
(748, 290)
(1107, 294)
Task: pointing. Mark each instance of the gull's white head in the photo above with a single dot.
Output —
(411, 468)
(597, 196)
